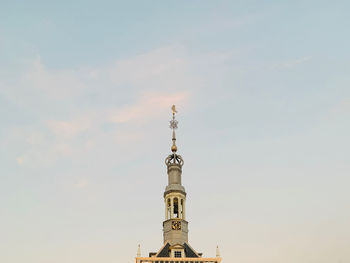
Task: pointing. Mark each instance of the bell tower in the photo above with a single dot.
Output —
(176, 248)
(175, 226)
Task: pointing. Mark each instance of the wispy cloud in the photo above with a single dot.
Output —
(148, 107)
(152, 81)
(81, 183)
(69, 129)
(291, 63)
(295, 62)
(160, 65)
(19, 160)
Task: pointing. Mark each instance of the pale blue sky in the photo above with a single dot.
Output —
(263, 94)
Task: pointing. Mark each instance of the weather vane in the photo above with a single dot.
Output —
(173, 126)
(174, 158)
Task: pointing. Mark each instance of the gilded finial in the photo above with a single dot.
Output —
(173, 126)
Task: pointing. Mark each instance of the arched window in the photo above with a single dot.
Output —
(182, 209)
(176, 207)
(168, 208)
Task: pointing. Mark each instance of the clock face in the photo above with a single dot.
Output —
(176, 225)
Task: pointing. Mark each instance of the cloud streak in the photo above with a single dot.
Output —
(152, 81)
(148, 107)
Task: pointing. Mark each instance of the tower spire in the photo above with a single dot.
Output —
(173, 126)
(174, 158)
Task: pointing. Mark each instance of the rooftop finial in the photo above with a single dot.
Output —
(138, 251)
(173, 125)
(217, 252)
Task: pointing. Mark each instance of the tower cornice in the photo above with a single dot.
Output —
(167, 192)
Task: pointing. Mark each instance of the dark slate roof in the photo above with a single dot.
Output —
(164, 253)
(190, 253)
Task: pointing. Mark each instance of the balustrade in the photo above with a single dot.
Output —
(177, 260)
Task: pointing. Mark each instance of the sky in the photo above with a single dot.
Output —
(262, 90)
